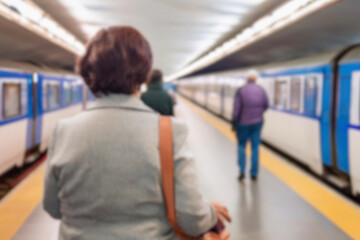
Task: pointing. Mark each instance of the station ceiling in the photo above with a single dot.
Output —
(181, 30)
(19, 44)
(178, 30)
(332, 28)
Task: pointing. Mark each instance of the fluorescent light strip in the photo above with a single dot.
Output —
(30, 16)
(281, 17)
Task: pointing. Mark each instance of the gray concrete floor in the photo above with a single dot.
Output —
(39, 226)
(265, 209)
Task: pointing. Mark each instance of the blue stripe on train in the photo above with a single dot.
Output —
(354, 127)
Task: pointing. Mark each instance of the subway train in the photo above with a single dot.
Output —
(32, 100)
(314, 113)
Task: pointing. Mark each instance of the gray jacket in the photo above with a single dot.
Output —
(103, 177)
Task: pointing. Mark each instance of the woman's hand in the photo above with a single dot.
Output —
(223, 216)
(222, 212)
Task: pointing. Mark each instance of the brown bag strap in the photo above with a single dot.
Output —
(167, 173)
(167, 167)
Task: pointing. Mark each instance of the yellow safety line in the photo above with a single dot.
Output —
(16, 208)
(343, 214)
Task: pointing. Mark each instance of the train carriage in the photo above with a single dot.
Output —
(200, 89)
(297, 98)
(314, 113)
(16, 118)
(32, 100)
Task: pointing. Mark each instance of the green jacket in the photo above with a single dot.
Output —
(159, 100)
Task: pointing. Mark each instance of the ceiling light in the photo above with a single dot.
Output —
(264, 23)
(288, 8)
(283, 16)
(249, 3)
(234, 8)
(30, 16)
(248, 32)
(230, 44)
(90, 30)
(24, 9)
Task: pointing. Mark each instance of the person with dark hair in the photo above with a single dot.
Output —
(156, 97)
(104, 174)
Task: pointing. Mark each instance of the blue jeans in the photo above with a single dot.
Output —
(244, 133)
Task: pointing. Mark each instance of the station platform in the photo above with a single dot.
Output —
(284, 203)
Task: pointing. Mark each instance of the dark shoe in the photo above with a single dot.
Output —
(254, 178)
(241, 177)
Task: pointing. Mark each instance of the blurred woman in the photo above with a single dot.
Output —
(103, 177)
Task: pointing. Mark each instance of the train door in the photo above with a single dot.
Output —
(38, 102)
(34, 90)
(228, 98)
(345, 63)
(347, 132)
(317, 104)
(342, 119)
(354, 131)
(205, 88)
(222, 95)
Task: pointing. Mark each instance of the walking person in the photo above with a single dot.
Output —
(250, 104)
(156, 97)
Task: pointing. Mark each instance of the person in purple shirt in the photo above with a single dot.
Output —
(250, 104)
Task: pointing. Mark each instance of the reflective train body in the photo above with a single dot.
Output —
(32, 100)
(314, 113)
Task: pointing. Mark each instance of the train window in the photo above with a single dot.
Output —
(212, 88)
(268, 85)
(311, 90)
(52, 95)
(355, 99)
(12, 100)
(295, 97)
(89, 95)
(76, 93)
(217, 88)
(209, 87)
(281, 94)
(231, 91)
(67, 93)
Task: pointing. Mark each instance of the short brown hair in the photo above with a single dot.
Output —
(117, 60)
(156, 76)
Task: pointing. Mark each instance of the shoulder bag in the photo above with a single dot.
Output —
(167, 174)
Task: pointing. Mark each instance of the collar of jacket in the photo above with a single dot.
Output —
(155, 86)
(121, 100)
